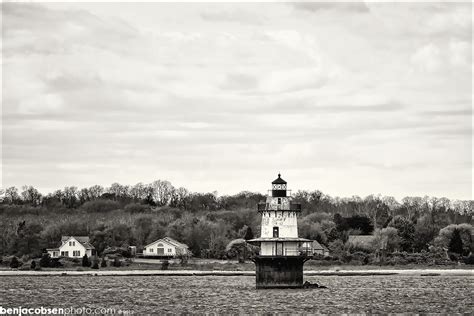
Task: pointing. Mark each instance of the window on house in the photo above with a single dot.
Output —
(151, 249)
(76, 253)
(170, 250)
(279, 200)
(66, 253)
(62, 253)
(275, 232)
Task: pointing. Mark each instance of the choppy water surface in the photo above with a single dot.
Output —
(218, 294)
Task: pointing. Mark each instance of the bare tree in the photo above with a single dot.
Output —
(162, 192)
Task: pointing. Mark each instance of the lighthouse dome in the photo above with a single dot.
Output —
(279, 180)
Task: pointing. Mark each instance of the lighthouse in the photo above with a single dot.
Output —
(280, 261)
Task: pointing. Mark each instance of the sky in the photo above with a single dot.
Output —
(346, 98)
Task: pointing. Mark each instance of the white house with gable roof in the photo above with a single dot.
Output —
(165, 247)
(73, 247)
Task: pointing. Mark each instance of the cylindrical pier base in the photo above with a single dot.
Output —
(279, 271)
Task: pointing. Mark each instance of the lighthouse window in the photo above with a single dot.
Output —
(275, 232)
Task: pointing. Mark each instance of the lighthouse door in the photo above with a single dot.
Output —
(279, 249)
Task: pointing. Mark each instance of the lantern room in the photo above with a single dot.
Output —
(279, 187)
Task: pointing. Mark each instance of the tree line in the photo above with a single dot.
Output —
(122, 215)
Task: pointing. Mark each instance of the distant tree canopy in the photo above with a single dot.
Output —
(122, 215)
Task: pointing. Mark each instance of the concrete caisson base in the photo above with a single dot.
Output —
(279, 271)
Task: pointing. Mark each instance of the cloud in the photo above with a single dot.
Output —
(356, 7)
(209, 92)
(232, 16)
(59, 30)
(427, 58)
(433, 58)
(460, 112)
(239, 81)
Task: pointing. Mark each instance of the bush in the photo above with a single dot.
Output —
(103, 263)
(33, 265)
(396, 258)
(45, 260)
(417, 257)
(453, 256)
(469, 259)
(117, 263)
(55, 263)
(117, 251)
(14, 263)
(100, 206)
(165, 264)
(359, 257)
(137, 208)
(346, 257)
(95, 264)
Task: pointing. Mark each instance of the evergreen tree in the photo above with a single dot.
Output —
(248, 234)
(85, 261)
(33, 265)
(455, 244)
(14, 264)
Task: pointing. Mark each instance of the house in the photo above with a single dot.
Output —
(320, 249)
(73, 247)
(165, 247)
(315, 248)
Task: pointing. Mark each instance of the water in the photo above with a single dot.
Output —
(147, 295)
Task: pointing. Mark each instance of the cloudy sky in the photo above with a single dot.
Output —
(350, 99)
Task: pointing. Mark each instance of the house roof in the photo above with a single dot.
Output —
(170, 241)
(83, 240)
(177, 243)
(317, 245)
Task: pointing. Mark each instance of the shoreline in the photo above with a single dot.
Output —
(378, 272)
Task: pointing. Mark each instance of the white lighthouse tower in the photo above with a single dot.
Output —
(280, 262)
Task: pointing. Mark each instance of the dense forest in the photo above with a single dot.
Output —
(122, 215)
